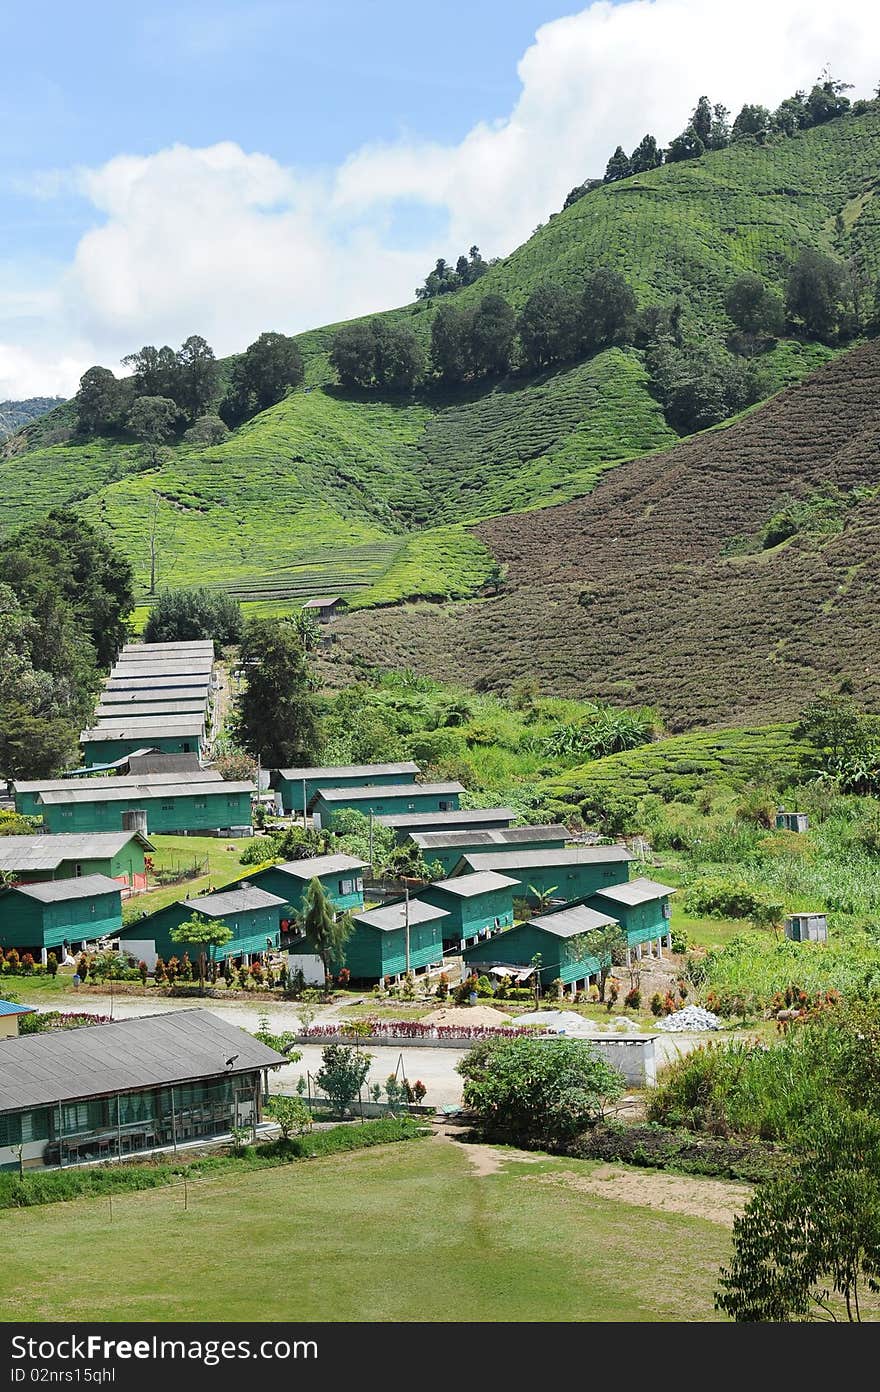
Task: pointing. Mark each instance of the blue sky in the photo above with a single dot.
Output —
(229, 167)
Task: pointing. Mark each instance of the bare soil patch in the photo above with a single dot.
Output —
(716, 1200)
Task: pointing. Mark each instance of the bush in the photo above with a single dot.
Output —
(715, 897)
(660, 1147)
(545, 1091)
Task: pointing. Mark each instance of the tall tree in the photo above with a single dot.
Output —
(101, 402)
(275, 719)
(154, 371)
(206, 934)
(618, 166)
(194, 613)
(753, 308)
(701, 120)
(196, 377)
(326, 929)
(688, 145)
(492, 332)
(752, 121)
(152, 420)
(816, 294)
(397, 355)
(548, 326)
(263, 375)
(608, 311)
(451, 342)
(647, 155)
(353, 355)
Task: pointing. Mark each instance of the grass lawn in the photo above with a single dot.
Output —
(220, 867)
(403, 1232)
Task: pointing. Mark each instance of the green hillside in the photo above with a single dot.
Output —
(335, 491)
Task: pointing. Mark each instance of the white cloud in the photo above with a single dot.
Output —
(227, 243)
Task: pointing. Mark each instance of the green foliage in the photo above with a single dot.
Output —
(377, 354)
(291, 1114)
(275, 718)
(206, 430)
(714, 897)
(444, 279)
(807, 1246)
(661, 1147)
(758, 969)
(342, 1074)
(194, 613)
(261, 377)
(818, 295)
(542, 1091)
(328, 930)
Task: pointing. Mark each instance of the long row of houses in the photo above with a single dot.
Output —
(157, 697)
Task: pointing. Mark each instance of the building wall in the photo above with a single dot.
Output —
(8, 1026)
(381, 806)
(640, 922)
(567, 882)
(106, 751)
(27, 923)
(293, 890)
(291, 790)
(561, 958)
(472, 916)
(449, 857)
(194, 811)
(371, 954)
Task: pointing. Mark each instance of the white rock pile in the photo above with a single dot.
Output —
(690, 1019)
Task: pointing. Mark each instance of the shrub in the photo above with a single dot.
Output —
(714, 897)
(633, 999)
(545, 1091)
(661, 1147)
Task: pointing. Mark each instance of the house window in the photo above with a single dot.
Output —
(445, 806)
(200, 804)
(346, 887)
(168, 806)
(667, 909)
(231, 802)
(77, 869)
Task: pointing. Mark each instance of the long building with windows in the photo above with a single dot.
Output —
(108, 1091)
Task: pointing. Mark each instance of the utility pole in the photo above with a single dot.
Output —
(371, 843)
(406, 924)
(305, 819)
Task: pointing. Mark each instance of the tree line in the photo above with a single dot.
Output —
(445, 278)
(65, 596)
(168, 393)
(710, 128)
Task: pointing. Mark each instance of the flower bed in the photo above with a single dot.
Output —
(410, 1029)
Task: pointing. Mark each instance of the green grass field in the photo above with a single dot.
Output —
(388, 484)
(403, 1232)
(221, 867)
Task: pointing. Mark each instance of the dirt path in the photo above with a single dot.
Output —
(716, 1200)
(485, 1159)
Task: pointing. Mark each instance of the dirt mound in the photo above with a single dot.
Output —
(475, 1016)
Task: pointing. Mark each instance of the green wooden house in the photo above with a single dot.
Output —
(119, 855)
(297, 786)
(403, 824)
(561, 938)
(197, 807)
(642, 908)
(26, 792)
(477, 905)
(559, 875)
(104, 743)
(446, 848)
(378, 946)
(252, 915)
(56, 914)
(342, 877)
(326, 804)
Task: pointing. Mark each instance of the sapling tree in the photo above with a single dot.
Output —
(206, 934)
(342, 1074)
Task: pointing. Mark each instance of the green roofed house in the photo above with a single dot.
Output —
(558, 875)
(297, 786)
(561, 938)
(478, 905)
(642, 908)
(59, 914)
(342, 877)
(403, 824)
(395, 798)
(120, 855)
(252, 915)
(195, 806)
(378, 946)
(446, 848)
(173, 734)
(107, 1091)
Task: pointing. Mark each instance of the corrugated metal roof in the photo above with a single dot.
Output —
(533, 860)
(347, 771)
(199, 645)
(389, 917)
(139, 790)
(146, 710)
(184, 668)
(390, 790)
(150, 727)
(229, 901)
(78, 887)
(322, 603)
(120, 780)
(125, 1056)
(473, 817)
(494, 836)
(321, 865)
(568, 923)
(466, 886)
(632, 892)
(12, 1008)
(20, 854)
(199, 682)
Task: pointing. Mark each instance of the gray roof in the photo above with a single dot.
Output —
(347, 771)
(490, 836)
(110, 711)
(389, 917)
(78, 887)
(389, 790)
(120, 780)
(137, 731)
(140, 789)
(321, 865)
(139, 722)
(183, 667)
(567, 923)
(199, 645)
(230, 901)
(198, 682)
(323, 603)
(533, 860)
(24, 853)
(466, 886)
(632, 892)
(463, 817)
(125, 1056)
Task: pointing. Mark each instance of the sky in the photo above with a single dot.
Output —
(233, 166)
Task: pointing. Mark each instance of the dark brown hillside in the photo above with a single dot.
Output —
(641, 592)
